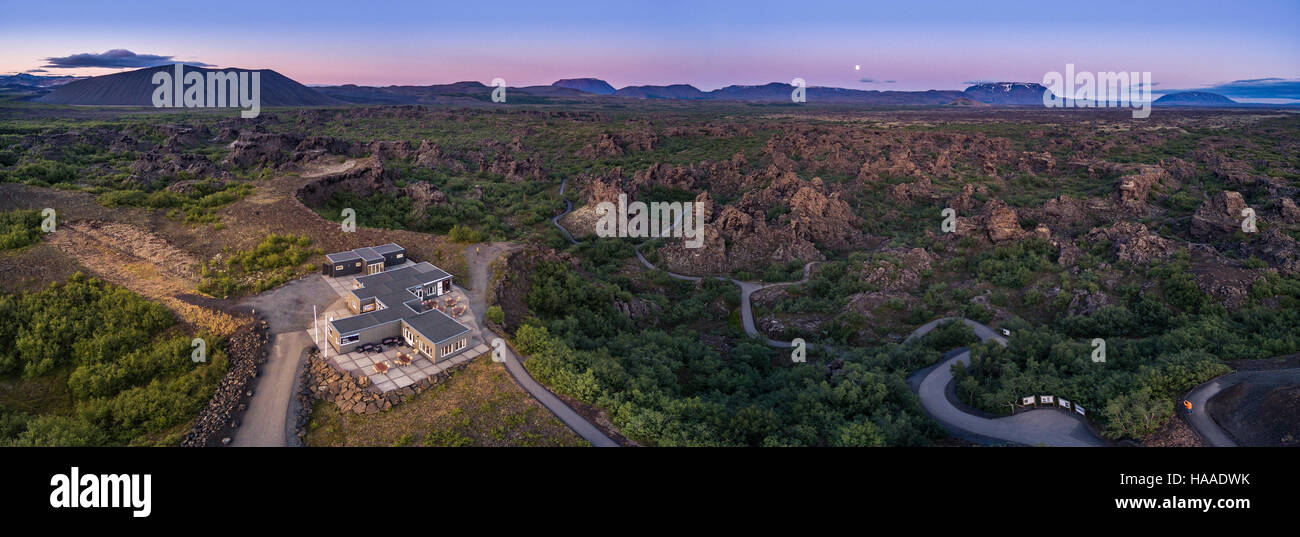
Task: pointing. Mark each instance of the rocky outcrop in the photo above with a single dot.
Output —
(737, 240)
(1290, 212)
(1001, 223)
(313, 147)
(1133, 189)
(516, 171)
(366, 176)
(897, 269)
(156, 167)
(261, 149)
(1281, 251)
(1218, 215)
(1133, 242)
(423, 194)
(604, 146)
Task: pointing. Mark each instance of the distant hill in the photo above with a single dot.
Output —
(37, 81)
(1008, 93)
(673, 91)
(586, 85)
(1194, 98)
(135, 88)
(469, 92)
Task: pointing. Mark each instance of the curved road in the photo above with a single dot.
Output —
(1046, 427)
(480, 259)
(1036, 427)
(1203, 423)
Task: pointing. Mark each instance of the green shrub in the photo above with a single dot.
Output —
(19, 229)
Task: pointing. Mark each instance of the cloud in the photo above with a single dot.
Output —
(36, 71)
(1252, 88)
(1259, 88)
(113, 59)
(874, 81)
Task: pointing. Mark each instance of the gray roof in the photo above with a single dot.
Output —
(369, 254)
(367, 320)
(436, 326)
(342, 256)
(390, 287)
(408, 276)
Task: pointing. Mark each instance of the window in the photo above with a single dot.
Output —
(458, 345)
(338, 267)
(350, 338)
(358, 263)
(399, 256)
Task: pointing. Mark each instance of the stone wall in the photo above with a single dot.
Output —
(321, 380)
(246, 350)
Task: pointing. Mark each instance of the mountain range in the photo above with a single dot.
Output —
(135, 88)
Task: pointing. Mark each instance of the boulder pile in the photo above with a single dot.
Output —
(246, 350)
(321, 380)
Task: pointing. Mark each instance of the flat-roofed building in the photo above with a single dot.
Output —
(399, 303)
(367, 260)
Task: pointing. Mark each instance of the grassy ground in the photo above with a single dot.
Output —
(478, 406)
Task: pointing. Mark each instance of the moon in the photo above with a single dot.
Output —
(857, 67)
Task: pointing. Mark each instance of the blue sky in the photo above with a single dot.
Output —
(896, 45)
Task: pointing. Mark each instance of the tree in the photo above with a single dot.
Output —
(1136, 415)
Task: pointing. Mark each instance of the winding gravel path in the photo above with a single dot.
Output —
(1036, 427)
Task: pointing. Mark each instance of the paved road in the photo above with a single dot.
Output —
(1035, 427)
(1201, 420)
(480, 258)
(287, 310)
(568, 207)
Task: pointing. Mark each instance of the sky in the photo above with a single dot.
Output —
(895, 45)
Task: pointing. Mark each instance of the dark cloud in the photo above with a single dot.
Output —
(1259, 88)
(874, 81)
(36, 71)
(113, 59)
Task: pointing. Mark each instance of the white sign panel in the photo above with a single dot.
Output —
(1079, 409)
(1065, 404)
(1028, 400)
(1047, 399)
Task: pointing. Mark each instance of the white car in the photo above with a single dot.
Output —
(1006, 332)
